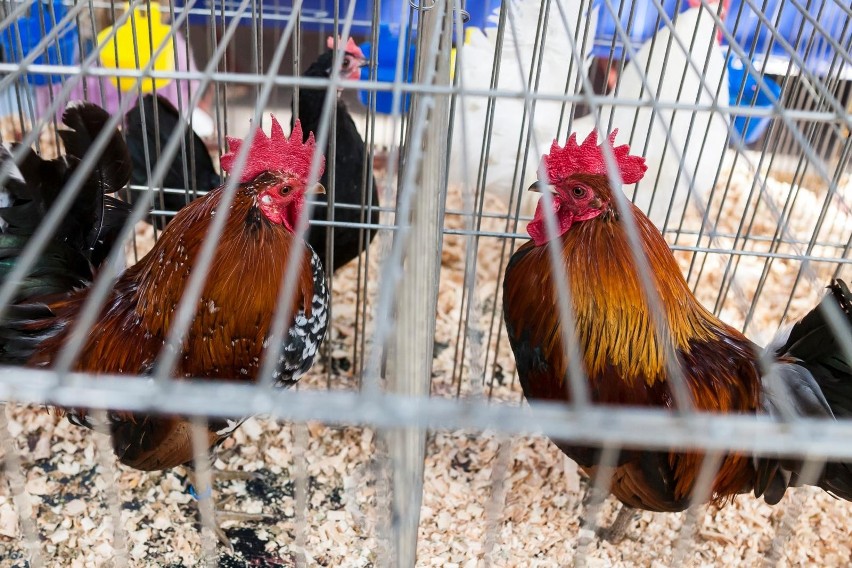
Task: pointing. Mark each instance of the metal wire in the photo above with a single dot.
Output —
(731, 263)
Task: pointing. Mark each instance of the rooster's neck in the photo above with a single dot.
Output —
(615, 317)
(248, 265)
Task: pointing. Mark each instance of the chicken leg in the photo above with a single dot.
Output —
(615, 532)
(204, 496)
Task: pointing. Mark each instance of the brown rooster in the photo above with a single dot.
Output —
(625, 358)
(226, 340)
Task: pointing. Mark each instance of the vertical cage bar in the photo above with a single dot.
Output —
(418, 287)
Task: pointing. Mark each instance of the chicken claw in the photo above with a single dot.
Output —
(615, 532)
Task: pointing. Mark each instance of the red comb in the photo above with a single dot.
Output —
(351, 47)
(274, 152)
(588, 158)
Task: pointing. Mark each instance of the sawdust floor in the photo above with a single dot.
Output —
(538, 524)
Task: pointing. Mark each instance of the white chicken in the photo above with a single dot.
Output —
(671, 79)
(510, 130)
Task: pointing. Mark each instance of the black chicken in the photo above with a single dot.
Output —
(349, 177)
(161, 121)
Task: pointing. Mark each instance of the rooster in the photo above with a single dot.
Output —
(348, 195)
(624, 355)
(227, 338)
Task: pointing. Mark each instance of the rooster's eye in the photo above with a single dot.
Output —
(578, 191)
(286, 189)
(346, 63)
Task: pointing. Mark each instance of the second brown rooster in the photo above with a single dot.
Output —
(627, 359)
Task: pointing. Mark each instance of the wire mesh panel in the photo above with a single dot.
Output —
(208, 361)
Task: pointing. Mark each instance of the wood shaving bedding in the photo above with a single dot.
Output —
(539, 523)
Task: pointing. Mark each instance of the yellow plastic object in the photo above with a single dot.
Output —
(143, 33)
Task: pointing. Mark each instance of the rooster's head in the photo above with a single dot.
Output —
(576, 178)
(276, 172)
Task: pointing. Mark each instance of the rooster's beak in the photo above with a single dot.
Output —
(540, 186)
(318, 189)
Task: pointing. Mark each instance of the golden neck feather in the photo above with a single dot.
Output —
(614, 315)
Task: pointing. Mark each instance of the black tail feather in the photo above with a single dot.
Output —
(814, 342)
(42, 180)
(98, 213)
(113, 217)
(819, 383)
(89, 228)
(15, 185)
(82, 239)
(822, 352)
(86, 121)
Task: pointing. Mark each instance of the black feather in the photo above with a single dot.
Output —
(81, 240)
(86, 121)
(818, 348)
(818, 384)
(349, 175)
(161, 121)
(113, 217)
(81, 229)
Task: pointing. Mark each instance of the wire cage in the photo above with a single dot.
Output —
(409, 441)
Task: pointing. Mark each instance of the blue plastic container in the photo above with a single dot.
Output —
(316, 14)
(640, 20)
(319, 14)
(31, 30)
(394, 26)
(742, 22)
(787, 16)
(386, 59)
(753, 35)
(750, 129)
(479, 11)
